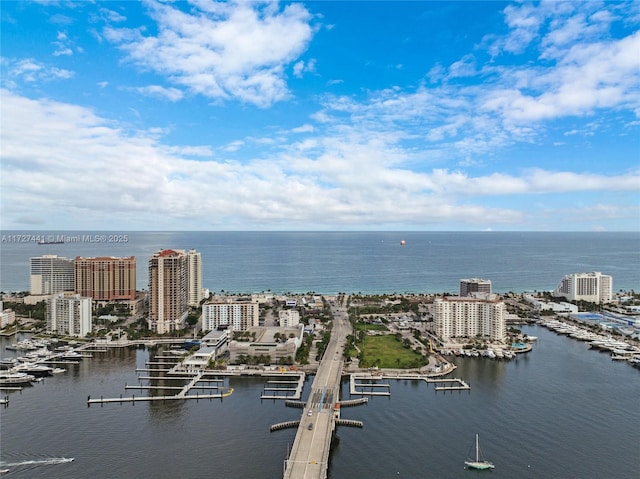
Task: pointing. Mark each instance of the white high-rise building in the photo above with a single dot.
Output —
(593, 287)
(7, 316)
(194, 280)
(69, 315)
(239, 315)
(474, 285)
(289, 317)
(51, 274)
(168, 296)
(466, 317)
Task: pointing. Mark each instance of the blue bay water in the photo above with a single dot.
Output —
(367, 262)
(561, 411)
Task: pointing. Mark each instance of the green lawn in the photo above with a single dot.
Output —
(370, 327)
(388, 352)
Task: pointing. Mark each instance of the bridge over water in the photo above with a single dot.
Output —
(309, 456)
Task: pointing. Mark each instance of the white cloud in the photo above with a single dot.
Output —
(394, 156)
(436, 74)
(464, 67)
(588, 77)
(234, 146)
(222, 50)
(65, 158)
(29, 70)
(59, 19)
(171, 94)
(525, 21)
(464, 123)
(298, 68)
(63, 45)
(306, 128)
(196, 151)
(112, 15)
(301, 67)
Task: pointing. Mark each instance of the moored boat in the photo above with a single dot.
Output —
(69, 356)
(37, 370)
(15, 379)
(478, 462)
(8, 363)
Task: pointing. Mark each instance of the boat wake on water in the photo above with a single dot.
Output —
(7, 466)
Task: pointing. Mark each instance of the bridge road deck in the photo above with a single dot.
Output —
(309, 457)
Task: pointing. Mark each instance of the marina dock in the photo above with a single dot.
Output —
(454, 384)
(372, 388)
(285, 385)
(134, 399)
(359, 388)
(198, 383)
(292, 387)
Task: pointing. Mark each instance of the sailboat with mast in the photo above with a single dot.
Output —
(479, 462)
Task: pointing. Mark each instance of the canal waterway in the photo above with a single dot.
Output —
(560, 411)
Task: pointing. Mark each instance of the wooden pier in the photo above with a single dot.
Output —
(360, 388)
(354, 391)
(294, 392)
(170, 388)
(11, 388)
(284, 385)
(194, 383)
(134, 399)
(442, 384)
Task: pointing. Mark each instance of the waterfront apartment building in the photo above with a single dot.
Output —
(239, 315)
(474, 285)
(7, 316)
(168, 292)
(106, 279)
(469, 318)
(51, 274)
(289, 317)
(593, 287)
(194, 277)
(68, 315)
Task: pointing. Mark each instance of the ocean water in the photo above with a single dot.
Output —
(561, 411)
(366, 262)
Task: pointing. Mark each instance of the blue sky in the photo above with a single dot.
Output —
(320, 116)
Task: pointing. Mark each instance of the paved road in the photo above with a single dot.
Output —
(310, 453)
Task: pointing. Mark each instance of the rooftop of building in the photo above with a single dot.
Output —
(474, 297)
(169, 252)
(267, 334)
(104, 258)
(230, 300)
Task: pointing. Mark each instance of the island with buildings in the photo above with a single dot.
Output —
(95, 299)
(79, 306)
